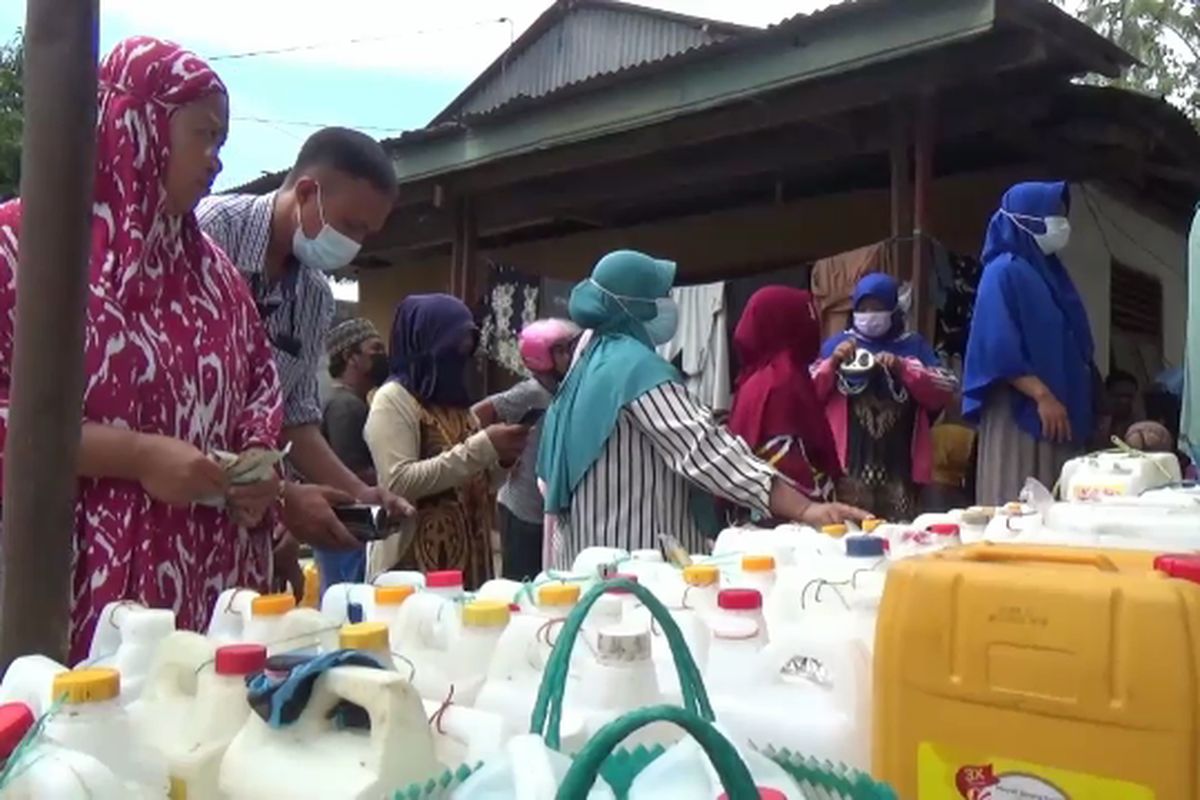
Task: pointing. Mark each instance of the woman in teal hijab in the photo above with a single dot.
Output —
(625, 449)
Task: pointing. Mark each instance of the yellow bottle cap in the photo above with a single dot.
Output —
(485, 614)
(93, 685)
(558, 594)
(836, 531)
(758, 563)
(869, 525)
(272, 605)
(393, 595)
(701, 575)
(364, 636)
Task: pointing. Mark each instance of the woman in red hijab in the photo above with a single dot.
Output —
(775, 407)
(176, 361)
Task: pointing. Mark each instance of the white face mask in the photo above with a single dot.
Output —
(1058, 233)
(661, 328)
(1056, 237)
(873, 324)
(329, 251)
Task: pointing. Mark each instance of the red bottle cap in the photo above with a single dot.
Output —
(15, 721)
(241, 659)
(763, 794)
(943, 529)
(447, 579)
(622, 577)
(1179, 565)
(740, 599)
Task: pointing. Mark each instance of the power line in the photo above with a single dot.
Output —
(301, 124)
(348, 42)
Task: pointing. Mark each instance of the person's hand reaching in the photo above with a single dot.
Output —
(509, 441)
(818, 515)
(248, 503)
(308, 516)
(889, 361)
(844, 353)
(397, 508)
(175, 472)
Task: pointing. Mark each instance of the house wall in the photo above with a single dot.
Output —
(715, 246)
(1105, 228)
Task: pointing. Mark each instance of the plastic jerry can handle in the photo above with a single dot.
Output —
(1013, 553)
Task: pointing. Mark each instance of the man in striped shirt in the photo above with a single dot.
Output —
(340, 190)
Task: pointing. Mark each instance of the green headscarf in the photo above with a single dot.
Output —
(618, 367)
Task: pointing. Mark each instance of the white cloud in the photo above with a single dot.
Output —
(452, 38)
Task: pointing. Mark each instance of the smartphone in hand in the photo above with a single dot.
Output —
(367, 523)
(532, 417)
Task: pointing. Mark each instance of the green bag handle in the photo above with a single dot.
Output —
(554, 682)
(735, 777)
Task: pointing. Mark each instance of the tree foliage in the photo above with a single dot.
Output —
(11, 115)
(1164, 35)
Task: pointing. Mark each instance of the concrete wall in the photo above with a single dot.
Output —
(719, 245)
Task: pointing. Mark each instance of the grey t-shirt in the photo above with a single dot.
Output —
(342, 423)
(520, 494)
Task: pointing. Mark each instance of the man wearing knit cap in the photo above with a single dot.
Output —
(358, 364)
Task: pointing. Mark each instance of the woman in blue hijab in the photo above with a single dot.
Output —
(881, 417)
(627, 456)
(1029, 373)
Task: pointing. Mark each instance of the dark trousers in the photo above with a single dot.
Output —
(520, 546)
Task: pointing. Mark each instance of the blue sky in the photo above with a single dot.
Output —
(424, 53)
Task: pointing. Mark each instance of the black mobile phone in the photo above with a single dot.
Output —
(366, 523)
(532, 416)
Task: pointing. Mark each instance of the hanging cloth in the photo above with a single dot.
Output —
(1190, 419)
(834, 279)
(701, 343)
(510, 304)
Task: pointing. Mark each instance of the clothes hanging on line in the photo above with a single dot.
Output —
(957, 281)
(510, 304)
(834, 279)
(701, 343)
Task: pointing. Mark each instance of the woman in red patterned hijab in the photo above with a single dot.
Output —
(176, 361)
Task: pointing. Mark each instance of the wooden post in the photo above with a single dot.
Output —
(462, 259)
(58, 157)
(902, 196)
(924, 144)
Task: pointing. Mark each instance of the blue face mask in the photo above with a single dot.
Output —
(662, 328)
(329, 251)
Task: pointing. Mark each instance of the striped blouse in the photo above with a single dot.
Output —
(664, 442)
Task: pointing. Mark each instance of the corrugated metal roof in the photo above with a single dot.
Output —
(578, 40)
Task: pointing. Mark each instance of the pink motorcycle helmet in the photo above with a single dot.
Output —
(538, 339)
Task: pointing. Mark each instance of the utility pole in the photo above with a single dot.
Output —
(57, 163)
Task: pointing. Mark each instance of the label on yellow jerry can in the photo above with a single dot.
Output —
(944, 773)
